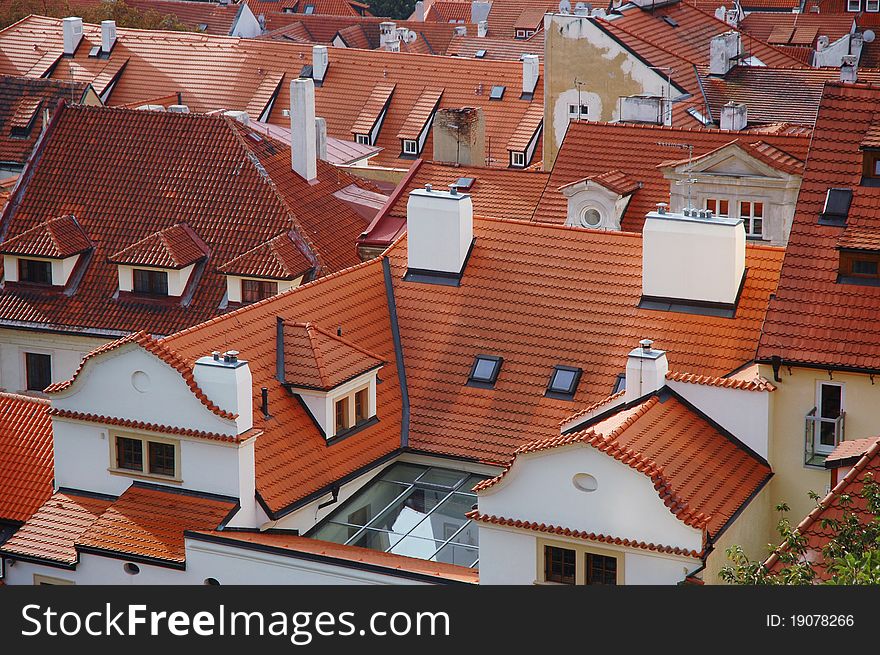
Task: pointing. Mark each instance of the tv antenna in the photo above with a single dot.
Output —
(688, 180)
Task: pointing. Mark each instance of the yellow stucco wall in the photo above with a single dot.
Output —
(748, 531)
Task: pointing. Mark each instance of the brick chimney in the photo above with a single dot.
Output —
(440, 232)
(303, 138)
(460, 136)
(646, 369)
(72, 34)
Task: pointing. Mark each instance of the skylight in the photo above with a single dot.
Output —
(836, 209)
(306, 71)
(464, 183)
(310, 9)
(497, 92)
(669, 20)
(485, 370)
(95, 51)
(411, 510)
(563, 381)
(480, 54)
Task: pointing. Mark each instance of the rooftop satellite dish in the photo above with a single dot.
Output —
(411, 36)
(868, 36)
(564, 7)
(580, 9)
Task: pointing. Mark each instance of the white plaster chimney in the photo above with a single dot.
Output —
(695, 257)
(320, 63)
(480, 11)
(849, 69)
(419, 11)
(643, 109)
(724, 52)
(461, 30)
(531, 70)
(482, 28)
(72, 33)
(387, 35)
(646, 369)
(321, 138)
(440, 230)
(108, 35)
(734, 116)
(303, 138)
(227, 382)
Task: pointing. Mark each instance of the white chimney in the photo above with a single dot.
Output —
(387, 34)
(72, 32)
(695, 257)
(321, 138)
(108, 35)
(822, 43)
(480, 11)
(531, 69)
(460, 30)
(482, 28)
(227, 382)
(320, 63)
(241, 116)
(646, 369)
(440, 230)
(303, 140)
(849, 70)
(643, 109)
(419, 11)
(734, 116)
(724, 52)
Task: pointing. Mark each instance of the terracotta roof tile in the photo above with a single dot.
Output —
(502, 48)
(354, 36)
(317, 359)
(51, 532)
(26, 456)
(57, 239)
(757, 384)
(850, 448)
(531, 122)
(475, 515)
(279, 258)
(174, 247)
(448, 11)
(149, 522)
(779, 28)
(216, 18)
(531, 18)
(616, 181)
(276, 10)
(372, 108)
(859, 238)
(422, 110)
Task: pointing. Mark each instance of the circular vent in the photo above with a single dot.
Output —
(584, 482)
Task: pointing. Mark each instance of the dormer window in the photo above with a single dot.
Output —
(267, 270)
(257, 290)
(35, 271)
(485, 370)
(563, 382)
(410, 147)
(871, 168)
(517, 159)
(859, 261)
(143, 456)
(150, 282)
(363, 139)
(46, 254)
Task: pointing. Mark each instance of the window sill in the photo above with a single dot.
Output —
(345, 434)
(144, 476)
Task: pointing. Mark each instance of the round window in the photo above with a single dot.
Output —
(585, 482)
(590, 217)
(131, 569)
(140, 381)
(212, 581)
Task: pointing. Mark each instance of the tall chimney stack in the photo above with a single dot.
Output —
(724, 52)
(440, 231)
(72, 33)
(531, 70)
(108, 35)
(320, 63)
(303, 138)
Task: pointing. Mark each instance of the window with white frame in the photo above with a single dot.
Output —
(363, 138)
(752, 215)
(517, 159)
(520, 34)
(577, 112)
(854, 5)
(825, 422)
(718, 206)
(410, 147)
(352, 410)
(148, 456)
(872, 5)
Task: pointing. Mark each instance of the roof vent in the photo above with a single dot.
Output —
(836, 209)
(465, 183)
(480, 54)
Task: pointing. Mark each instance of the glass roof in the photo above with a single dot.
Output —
(412, 510)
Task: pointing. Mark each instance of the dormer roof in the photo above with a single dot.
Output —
(57, 238)
(763, 151)
(278, 259)
(317, 359)
(175, 247)
(615, 181)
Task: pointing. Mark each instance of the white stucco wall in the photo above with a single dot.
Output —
(177, 279)
(67, 352)
(507, 556)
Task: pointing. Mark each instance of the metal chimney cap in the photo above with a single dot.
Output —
(230, 356)
(453, 190)
(661, 207)
(215, 354)
(646, 344)
(427, 187)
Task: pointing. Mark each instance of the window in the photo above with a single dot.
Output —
(161, 456)
(520, 34)
(853, 5)
(341, 421)
(836, 209)
(38, 371)
(577, 112)
(752, 214)
(601, 569)
(485, 370)
(34, 271)
(517, 159)
(590, 217)
(150, 283)
(361, 406)
(718, 207)
(872, 5)
(256, 290)
(860, 267)
(410, 147)
(825, 423)
(564, 381)
(363, 139)
(497, 92)
(310, 9)
(559, 565)
(870, 167)
(480, 54)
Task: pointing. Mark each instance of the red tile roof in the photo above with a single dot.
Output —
(147, 522)
(497, 48)
(421, 111)
(317, 359)
(757, 384)
(217, 18)
(814, 528)
(813, 320)
(272, 8)
(448, 11)
(57, 238)
(616, 181)
(372, 108)
(279, 259)
(592, 149)
(531, 122)
(698, 472)
(293, 544)
(859, 238)
(132, 177)
(782, 29)
(174, 247)
(26, 456)
(37, 94)
(850, 448)
(51, 532)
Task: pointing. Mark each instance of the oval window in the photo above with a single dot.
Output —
(585, 482)
(140, 381)
(131, 569)
(590, 217)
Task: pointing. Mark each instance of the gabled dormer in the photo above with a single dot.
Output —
(334, 378)
(161, 265)
(417, 125)
(47, 254)
(269, 269)
(598, 202)
(369, 121)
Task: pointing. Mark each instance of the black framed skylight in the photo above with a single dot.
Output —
(484, 372)
(563, 381)
(619, 383)
(497, 92)
(480, 54)
(836, 209)
(464, 183)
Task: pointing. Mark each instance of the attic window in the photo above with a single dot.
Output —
(203, 27)
(497, 92)
(836, 209)
(670, 21)
(363, 139)
(871, 168)
(563, 382)
(464, 183)
(310, 9)
(859, 267)
(150, 282)
(306, 71)
(480, 54)
(95, 51)
(485, 371)
(35, 271)
(410, 147)
(517, 159)
(619, 383)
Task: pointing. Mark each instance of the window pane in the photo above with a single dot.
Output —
(457, 554)
(404, 516)
(370, 502)
(559, 565)
(484, 369)
(403, 472)
(412, 546)
(562, 380)
(830, 401)
(443, 477)
(153, 283)
(256, 290)
(341, 415)
(758, 209)
(446, 519)
(161, 458)
(601, 569)
(38, 370)
(864, 267)
(361, 405)
(35, 272)
(129, 454)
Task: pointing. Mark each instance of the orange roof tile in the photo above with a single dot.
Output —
(779, 28)
(475, 515)
(758, 384)
(503, 48)
(50, 534)
(148, 522)
(859, 238)
(420, 114)
(850, 448)
(26, 456)
(274, 9)
(292, 545)
(372, 108)
(525, 132)
(448, 11)
(174, 247)
(531, 18)
(208, 17)
(814, 320)
(616, 181)
(317, 359)
(57, 238)
(354, 36)
(278, 259)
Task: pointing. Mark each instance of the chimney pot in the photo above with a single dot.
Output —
(216, 355)
(646, 344)
(229, 385)
(661, 207)
(849, 69)
(453, 189)
(428, 187)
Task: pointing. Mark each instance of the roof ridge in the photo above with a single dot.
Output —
(759, 383)
(317, 354)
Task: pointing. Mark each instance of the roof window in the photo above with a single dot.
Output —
(497, 92)
(464, 183)
(480, 54)
(485, 371)
(306, 71)
(563, 382)
(836, 209)
(95, 51)
(310, 9)
(669, 20)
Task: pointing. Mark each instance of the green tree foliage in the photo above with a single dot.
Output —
(12, 11)
(851, 556)
(398, 9)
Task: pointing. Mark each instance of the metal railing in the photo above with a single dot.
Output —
(821, 436)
